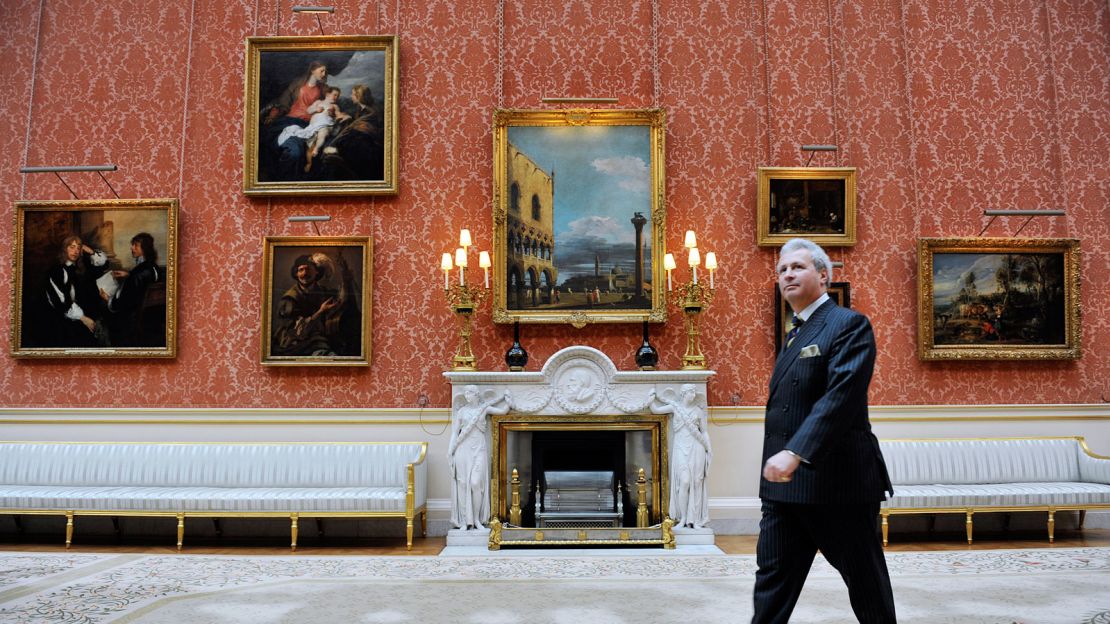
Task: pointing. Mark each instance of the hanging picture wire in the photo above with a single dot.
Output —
(1018, 213)
(57, 171)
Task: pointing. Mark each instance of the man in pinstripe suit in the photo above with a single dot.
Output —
(823, 473)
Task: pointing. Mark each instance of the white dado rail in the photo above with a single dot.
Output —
(577, 383)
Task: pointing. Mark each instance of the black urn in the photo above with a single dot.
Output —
(646, 356)
(516, 357)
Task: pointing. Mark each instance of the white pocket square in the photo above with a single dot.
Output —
(809, 351)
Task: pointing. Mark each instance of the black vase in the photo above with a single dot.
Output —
(646, 356)
(516, 357)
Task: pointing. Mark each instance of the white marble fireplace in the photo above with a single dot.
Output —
(578, 399)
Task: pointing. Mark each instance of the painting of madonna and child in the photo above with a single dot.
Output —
(579, 240)
(95, 278)
(321, 116)
(999, 298)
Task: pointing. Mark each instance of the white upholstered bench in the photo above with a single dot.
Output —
(995, 475)
(215, 480)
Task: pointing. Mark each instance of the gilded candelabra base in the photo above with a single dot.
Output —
(693, 298)
(464, 300)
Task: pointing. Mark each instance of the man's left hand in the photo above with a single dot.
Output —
(780, 467)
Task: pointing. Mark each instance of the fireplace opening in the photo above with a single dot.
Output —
(576, 475)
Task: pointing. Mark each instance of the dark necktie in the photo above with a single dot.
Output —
(795, 326)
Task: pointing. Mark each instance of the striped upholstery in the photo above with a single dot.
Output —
(1001, 495)
(210, 477)
(994, 473)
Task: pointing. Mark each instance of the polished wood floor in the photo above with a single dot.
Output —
(431, 546)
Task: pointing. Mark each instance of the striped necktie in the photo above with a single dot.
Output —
(795, 326)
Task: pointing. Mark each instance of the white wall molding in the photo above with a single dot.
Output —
(721, 415)
(727, 415)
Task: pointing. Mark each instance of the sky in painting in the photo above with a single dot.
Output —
(950, 270)
(602, 177)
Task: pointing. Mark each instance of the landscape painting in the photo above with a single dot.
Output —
(999, 298)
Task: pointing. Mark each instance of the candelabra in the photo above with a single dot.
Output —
(692, 298)
(463, 298)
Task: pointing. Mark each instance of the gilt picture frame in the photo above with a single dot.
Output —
(998, 299)
(317, 300)
(95, 279)
(301, 139)
(818, 203)
(578, 216)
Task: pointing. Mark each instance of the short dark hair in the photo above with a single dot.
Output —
(146, 244)
(330, 89)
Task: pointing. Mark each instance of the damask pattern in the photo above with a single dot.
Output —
(946, 106)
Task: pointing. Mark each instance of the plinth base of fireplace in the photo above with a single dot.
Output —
(660, 535)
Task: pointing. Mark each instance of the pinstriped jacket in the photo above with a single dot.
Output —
(817, 408)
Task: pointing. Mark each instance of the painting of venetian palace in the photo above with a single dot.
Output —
(579, 199)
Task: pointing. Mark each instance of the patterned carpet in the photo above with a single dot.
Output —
(1045, 585)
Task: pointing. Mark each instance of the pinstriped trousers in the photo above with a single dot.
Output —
(790, 534)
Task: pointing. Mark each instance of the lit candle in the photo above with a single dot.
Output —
(483, 261)
(669, 264)
(711, 265)
(694, 261)
(691, 240)
(445, 266)
(464, 239)
(460, 261)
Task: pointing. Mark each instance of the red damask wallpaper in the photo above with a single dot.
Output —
(947, 107)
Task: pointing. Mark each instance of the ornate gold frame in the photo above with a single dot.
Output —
(366, 245)
(655, 423)
(927, 248)
(766, 238)
(503, 119)
(388, 101)
(18, 283)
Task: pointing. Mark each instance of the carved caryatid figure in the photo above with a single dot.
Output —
(690, 454)
(468, 456)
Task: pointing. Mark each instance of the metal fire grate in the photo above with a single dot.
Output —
(579, 499)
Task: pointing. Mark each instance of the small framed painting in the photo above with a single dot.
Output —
(818, 203)
(316, 300)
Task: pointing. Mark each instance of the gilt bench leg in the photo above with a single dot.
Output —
(886, 527)
(1051, 526)
(969, 524)
(69, 529)
(180, 530)
(293, 531)
(408, 533)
